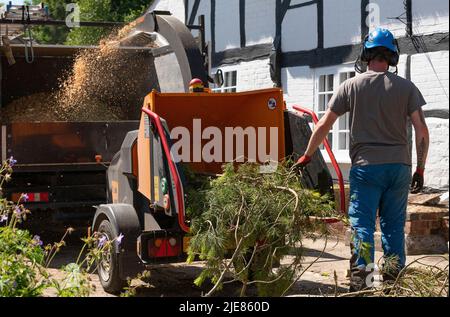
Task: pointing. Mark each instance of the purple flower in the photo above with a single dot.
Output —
(18, 211)
(101, 241)
(25, 197)
(4, 218)
(119, 239)
(37, 240)
(12, 161)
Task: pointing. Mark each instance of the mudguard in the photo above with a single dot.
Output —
(124, 220)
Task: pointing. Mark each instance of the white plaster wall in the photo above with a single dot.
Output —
(228, 34)
(342, 22)
(176, 7)
(390, 9)
(430, 74)
(259, 21)
(295, 2)
(203, 9)
(299, 31)
(430, 16)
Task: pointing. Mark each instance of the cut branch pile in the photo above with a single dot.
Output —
(245, 222)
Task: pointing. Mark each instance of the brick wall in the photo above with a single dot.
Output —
(437, 168)
(422, 220)
(433, 82)
(298, 86)
(430, 74)
(251, 75)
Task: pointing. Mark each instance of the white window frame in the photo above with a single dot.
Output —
(224, 88)
(342, 156)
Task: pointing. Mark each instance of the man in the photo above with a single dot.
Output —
(379, 103)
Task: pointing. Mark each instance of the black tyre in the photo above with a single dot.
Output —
(108, 267)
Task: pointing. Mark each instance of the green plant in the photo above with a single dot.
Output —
(131, 289)
(90, 10)
(249, 221)
(24, 261)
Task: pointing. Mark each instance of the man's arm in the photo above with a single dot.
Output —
(321, 131)
(422, 146)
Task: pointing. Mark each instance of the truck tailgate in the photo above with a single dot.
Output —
(62, 142)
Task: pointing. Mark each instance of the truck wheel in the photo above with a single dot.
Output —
(108, 266)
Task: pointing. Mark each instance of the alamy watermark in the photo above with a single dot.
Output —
(373, 279)
(373, 18)
(230, 144)
(73, 15)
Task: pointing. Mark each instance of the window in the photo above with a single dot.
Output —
(326, 89)
(229, 82)
(328, 83)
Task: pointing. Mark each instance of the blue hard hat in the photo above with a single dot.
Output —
(381, 38)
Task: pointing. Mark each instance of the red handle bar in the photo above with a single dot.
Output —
(330, 153)
(173, 169)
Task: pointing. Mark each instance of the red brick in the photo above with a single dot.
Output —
(430, 216)
(338, 228)
(412, 216)
(437, 224)
(435, 231)
(445, 223)
(417, 227)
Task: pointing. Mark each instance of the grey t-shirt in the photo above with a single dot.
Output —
(379, 105)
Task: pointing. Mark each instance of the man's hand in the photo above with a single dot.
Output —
(417, 181)
(303, 161)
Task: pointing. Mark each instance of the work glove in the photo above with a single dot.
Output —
(303, 161)
(417, 181)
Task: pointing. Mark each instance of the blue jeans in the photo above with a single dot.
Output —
(384, 188)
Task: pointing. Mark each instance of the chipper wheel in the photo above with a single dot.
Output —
(108, 266)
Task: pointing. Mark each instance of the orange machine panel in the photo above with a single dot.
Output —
(216, 121)
(143, 152)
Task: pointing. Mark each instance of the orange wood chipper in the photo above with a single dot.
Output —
(146, 201)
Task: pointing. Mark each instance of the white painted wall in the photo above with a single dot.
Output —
(430, 16)
(176, 7)
(295, 2)
(203, 9)
(342, 22)
(228, 34)
(260, 21)
(298, 86)
(299, 31)
(435, 89)
(252, 75)
(430, 74)
(390, 9)
(437, 167)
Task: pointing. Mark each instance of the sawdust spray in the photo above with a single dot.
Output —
(106, 83)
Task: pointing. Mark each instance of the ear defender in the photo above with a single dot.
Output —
(364, 56)
(395, 57)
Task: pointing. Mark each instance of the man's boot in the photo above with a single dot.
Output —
(389, 278)
(358, 279)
